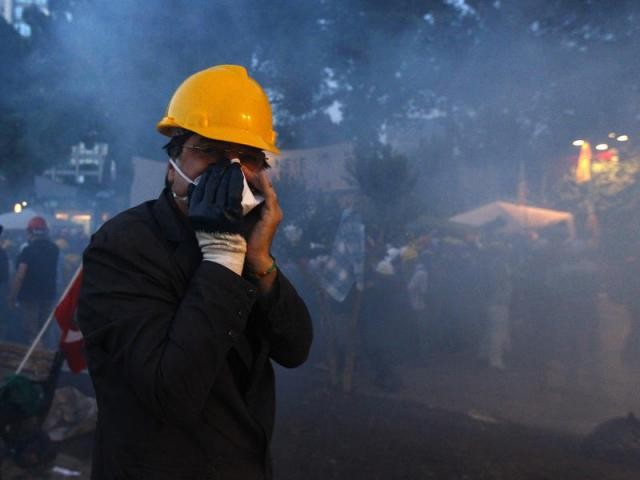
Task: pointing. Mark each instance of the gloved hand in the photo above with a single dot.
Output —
(215, 203)
(216, 215)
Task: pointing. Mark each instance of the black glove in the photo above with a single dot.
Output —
(215, 203)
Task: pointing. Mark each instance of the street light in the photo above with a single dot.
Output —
(623, 138)
(602, 147)
(578, 143)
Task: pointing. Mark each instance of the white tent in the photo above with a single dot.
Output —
(515, 218)
(18, 221)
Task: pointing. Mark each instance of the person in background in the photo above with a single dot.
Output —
(496, 340)
(417, 288)
(4, 283)
(385, 311)
(34, 284)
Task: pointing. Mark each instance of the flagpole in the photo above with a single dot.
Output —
(46, 324)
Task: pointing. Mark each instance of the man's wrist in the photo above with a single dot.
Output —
(258, 264)
(262, 274)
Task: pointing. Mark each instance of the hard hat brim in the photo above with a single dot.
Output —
(169, 127)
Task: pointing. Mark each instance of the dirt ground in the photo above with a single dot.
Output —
(325, 434)
(452, 417)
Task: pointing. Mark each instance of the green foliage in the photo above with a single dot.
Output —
(317, 215)
(293, 196)
(505, 81)
(386, 180)
(614, 185)
(381, 174)
(614, 193)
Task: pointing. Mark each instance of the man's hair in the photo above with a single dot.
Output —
(174, 146)
(174, 149)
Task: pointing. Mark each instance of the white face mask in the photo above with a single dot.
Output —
(184, 175)
(250, 200)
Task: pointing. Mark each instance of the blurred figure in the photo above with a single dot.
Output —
(34, 283)
(417, 289)
(385, 313)
(624, 277)
(4, 282)
(575, 281)
(497, 339)
(342, 282)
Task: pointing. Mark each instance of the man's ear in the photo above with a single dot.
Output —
(171, 174)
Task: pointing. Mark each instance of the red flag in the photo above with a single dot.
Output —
(71, 339)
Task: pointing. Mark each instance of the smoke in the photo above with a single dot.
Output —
(477, 94)
(545, 73)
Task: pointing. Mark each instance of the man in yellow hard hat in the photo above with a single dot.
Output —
(182, 306)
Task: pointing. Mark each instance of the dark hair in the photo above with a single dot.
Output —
(174, 146)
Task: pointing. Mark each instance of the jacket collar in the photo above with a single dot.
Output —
(173, 223)
(175, 228)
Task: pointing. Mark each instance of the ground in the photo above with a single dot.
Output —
(325, 434)
(452, 417)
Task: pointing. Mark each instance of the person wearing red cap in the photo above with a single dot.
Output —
(34, 284)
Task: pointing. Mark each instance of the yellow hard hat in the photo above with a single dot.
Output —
(222, 103)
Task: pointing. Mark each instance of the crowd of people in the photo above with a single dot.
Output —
(529, 300)
(506, 301)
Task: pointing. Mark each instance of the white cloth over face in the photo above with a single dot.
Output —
(249, 201)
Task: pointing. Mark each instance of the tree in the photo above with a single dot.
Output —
(502, 80)
(611, 199)
(386, 180)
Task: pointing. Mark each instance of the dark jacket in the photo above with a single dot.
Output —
(179, 352)
(41, 258)
(4, 267)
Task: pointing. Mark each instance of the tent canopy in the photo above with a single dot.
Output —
(513, 218)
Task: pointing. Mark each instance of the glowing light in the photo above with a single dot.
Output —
(612, 135)
(81, 218)
(17, 208)
(583, 169)
(602, 147)
(24, 204)
(62, 216)
(623, 138)
(578, 143)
